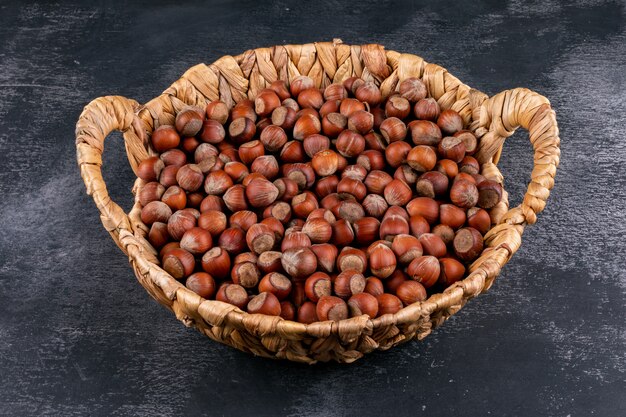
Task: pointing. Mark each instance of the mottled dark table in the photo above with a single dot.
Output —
(78, 334)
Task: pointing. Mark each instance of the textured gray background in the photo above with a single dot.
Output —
(78, 334)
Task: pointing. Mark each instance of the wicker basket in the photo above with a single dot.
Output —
(232, 79)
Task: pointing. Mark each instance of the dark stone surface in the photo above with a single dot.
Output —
(79, 336)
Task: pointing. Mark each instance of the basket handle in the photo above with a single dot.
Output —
(500, 116)
(98, 119)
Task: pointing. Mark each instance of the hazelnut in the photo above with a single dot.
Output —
(468, 244)
(277, 284)
(196, 241)
(261, 193)
(418, 225)
(307, 313)
(179, 263)
(424, 270)
(152, 191)
(266, 165)
(260, 238)
(375, 141)
(233, 240)
(269, 261)
(158, 235)
(155, 211)
(305, 126)
(236, 170)
(361, 121)
(322, 213)
(349, 210)
(452, 148)
(450, 122)
(232, 294)
(326, 255)
(451, 271)
(265, 102)
(280, 88)
(287, 310)
(245, 274)
(318, 230)
(190, 144)
(217, 182)
(174, 157)
(353, 187)
(168, 247)
(355, 172)
(150, 168)
(235, 198)
(325, 162)
(299, 83)
(398, 107)
(216, 262)
(388, 304)
(382, 260)
(352, 83)
(406, 248)
(335, 92)
(489, 194)
(303, 204)
(393, 225)
(331, 308)
(175, 197)
(202, 284)
(213, 221)
(479, 219)
(352, 259)
(413, 89)
(425, 207)
(424, 132)
(397, 193)
(343, 234)
(348, 283)
(392, 283)
(179, 223)
(363, 303)
(241, 130)
(349, 106)
(317, 286)
(432, 245)
(165, 137)
(189, 177)
(374, 286)
(469, 140)
(333, 124)
(295, 240)
(451, 215)
(397, 211)
(264, 303)
(368, 93)
(299, 262)
(212, 132)
(287, 188)
(410, 292)
(445, 233)
(427, 109)
(376, 181)
(421, 158)
(212, 202)
(375, 205)
(464, 193)
(396, 153)
(310, 98)
(366, 230)
(302, 174)
(350, 144)
(393, 129)
(315, 143)
(371, 160)
(432, 184)
(218, 111)
(285, 117)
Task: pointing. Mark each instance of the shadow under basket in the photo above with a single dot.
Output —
(232, 79)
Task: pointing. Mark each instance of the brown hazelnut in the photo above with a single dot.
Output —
(333, 124)
(393, 129)
(388, 304)
(325, 162)
(150, 168)
(424, 270)
(361, 121)
(269, 261)
(451, 215)
(418, 225)
(479, 219)
(375, 205)
(307, 313)
(350, 144)
(260, 238)
(489, 194)
(427, 109)
(397, 211)
(264, 303)
(349, 210)
(424, 132)
(376, 181)
(410, 292)
(189, 177)
(299, 262)
(295, 240)
(322, 213)
(349, 106)
(468, 244)
(245, 274)
(218, 111)
(212, 202)
(168, 247)
(421, 158)
(374, 286)
(374, 140)
(236, 170)
(398, 107)
(363, 303)
(450, 122)
(393, 225)
(305, 126)
(368, 93)
(451, 271)
(287, 310)
(353, 187)
(352, 259)
(152, 191)
(326, 255)
(397, 193)
(413, 89)
(216, 262)
(432, 184)
(261, 193)
(265, 102)
(432, 245)
(299, 83)
(343, 234)
(174, 157)
(179, 263)
(371, 160)
(310, 98)
(464, 193)
(406, 248)
(155, 211)
(233, 240)
(335, 92)
(318, 230)
(382, 260)
(392, 283)
(285, 117)
(447, 167)
(175, 197)
(196, 241)
(179, 223)
(232, 294)
(202, 284)
(348, 283)
(158, 235)
(469, 140)
(331, 308)
(355, 172)
(303, 204)
(302, 174)
(190, 144)
(165, 137)
(352, 83)
(235, 198)
(453, 148)
(276, 284)
(217, 182)
(396, 153)
(317, 286)
(241, 130)
(212, 131)
(366, 230)
(287, 189)
(315, 143)
(445, 233)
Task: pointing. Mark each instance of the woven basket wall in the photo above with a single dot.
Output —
(232, 79)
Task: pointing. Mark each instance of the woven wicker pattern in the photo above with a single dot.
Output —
(232, 79)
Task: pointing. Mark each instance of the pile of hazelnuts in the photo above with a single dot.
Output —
(317, 204)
